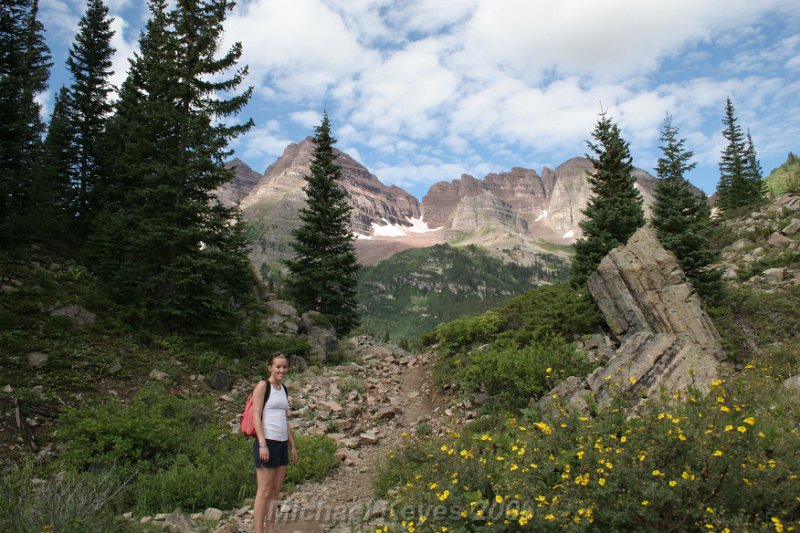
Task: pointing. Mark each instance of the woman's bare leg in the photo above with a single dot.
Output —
(274, 483)
(260, 502)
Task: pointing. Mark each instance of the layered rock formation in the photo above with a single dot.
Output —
(550, 203)
(245, 178)
(275, 200)
(666, 340)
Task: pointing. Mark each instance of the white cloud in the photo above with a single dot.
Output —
(300, 47)
(605, 40)
(406, 91)
(265, 143)
(307, 119)
(124, 50)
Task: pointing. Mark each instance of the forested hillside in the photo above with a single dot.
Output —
(417, 289)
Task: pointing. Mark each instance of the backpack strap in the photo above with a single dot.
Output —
(269, 388)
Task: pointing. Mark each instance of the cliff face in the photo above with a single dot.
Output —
(245, 178)
(372, 201)
(549, 203)
(275, 199)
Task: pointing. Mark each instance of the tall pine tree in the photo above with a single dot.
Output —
(162, 240)
(24, 71)
(681, 218)
(614, 210)
(322, 275)
(89, 63)
(740, 174)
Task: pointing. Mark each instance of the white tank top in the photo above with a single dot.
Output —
(274, 416)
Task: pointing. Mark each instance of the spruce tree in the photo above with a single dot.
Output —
(89, 63)
(740, 174)
(755, 176)
(55, 200)
(681, 218)
(322, 275)
(614, 210)
(162, 240)
(24, 71)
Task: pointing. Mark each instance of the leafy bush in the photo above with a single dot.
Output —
(751, 319)
(512, 375)
(144, 435)
(315, 457)
(173, 453)
(508, 342)
(219, 476)
(689, 463)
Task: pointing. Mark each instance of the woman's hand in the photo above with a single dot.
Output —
(293, 454)
(263, 453)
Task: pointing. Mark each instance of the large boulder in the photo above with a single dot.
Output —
(321, 337)
(666, 340)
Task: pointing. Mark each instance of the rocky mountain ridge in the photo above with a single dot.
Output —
(518, 209)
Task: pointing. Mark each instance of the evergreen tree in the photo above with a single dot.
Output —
(162, 240)
(614, 210)
(755, 176)
(54, 199)
(24, 71)
(681, 218)
(740, 173)
(89, 63)
(322, 276)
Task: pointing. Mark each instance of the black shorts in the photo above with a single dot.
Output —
(278, 454)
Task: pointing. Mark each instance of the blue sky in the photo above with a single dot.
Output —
(422, 91)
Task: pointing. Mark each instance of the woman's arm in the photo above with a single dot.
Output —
(292, 448)
(258, 413)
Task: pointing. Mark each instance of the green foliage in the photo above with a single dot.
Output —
(144, 435)
(785, 178)
(681, 218)
(506, 352)
(171, 450)
(614, 210)
(750, 319)
(24, 71)
(691, 463)
(162, 243)
(740, 173)
(315, 458)
(417, 289)
(322, 275)
(512, 374)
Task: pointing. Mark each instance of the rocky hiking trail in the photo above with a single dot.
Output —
(398, 396)
(368, 408)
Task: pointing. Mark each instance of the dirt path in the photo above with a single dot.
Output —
(344, 501)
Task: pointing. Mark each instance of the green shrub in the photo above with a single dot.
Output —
(220, 476)
(715, 462)
(315, 457)
(528, 326)
(146, 434)
(512, 375)
(749, 319)
(352, 383)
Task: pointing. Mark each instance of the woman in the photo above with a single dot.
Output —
(274, 445)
